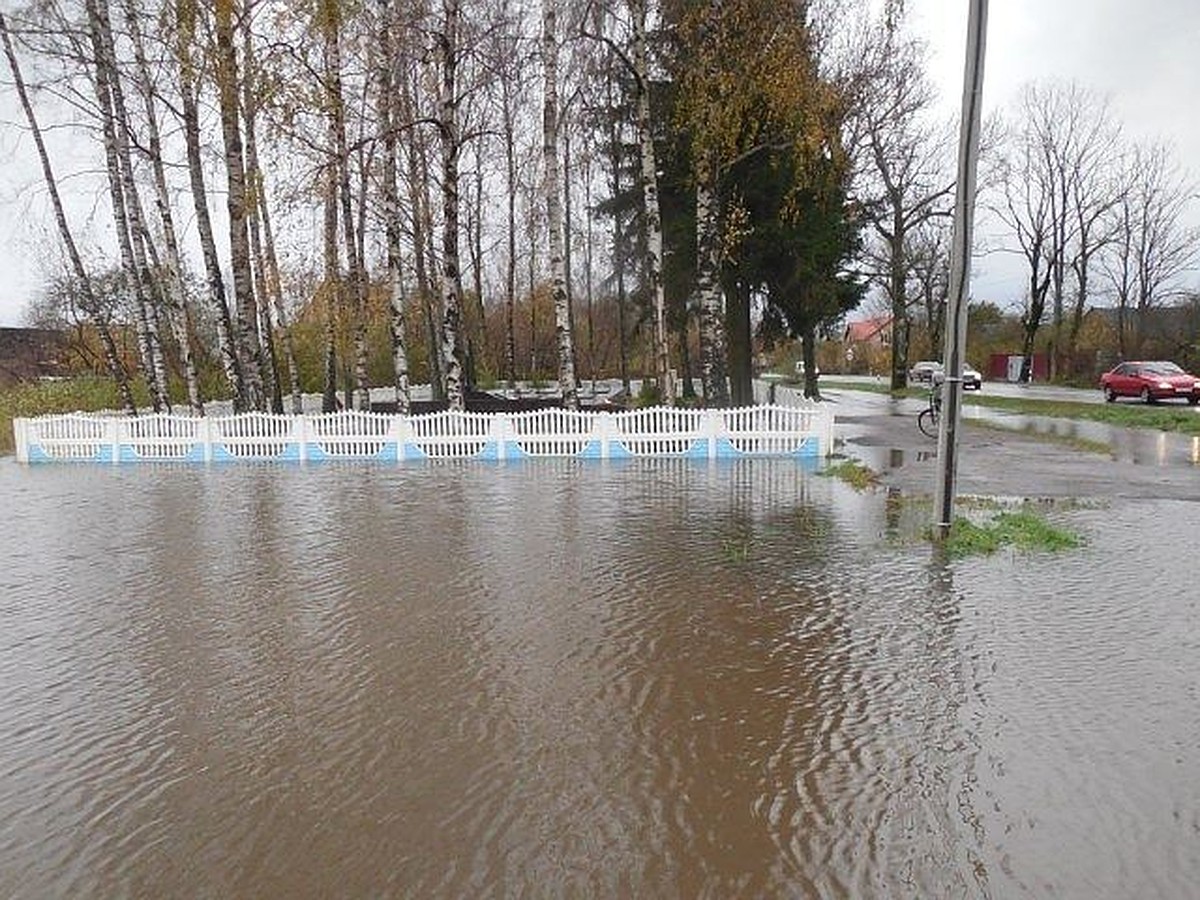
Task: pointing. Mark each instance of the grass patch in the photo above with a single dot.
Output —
(1178, 419)
(1022, 529)
(852, 472)
(84, 394)
(735, 550)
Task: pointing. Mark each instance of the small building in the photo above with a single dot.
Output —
(1008, 366)
(27, 354)
(866, 345)
(873, 332)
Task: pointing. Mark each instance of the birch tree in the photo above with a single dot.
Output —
(426, 261)
(506, 43)
(553, 187)
(330, 26)
(634, 56)
(256, 202)
(331, 288)
(123, 196)
(653, 213)
(448, 48)
(178, 307)
(186, 27)
(250, 352)
(387, 90)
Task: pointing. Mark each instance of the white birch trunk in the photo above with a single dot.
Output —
(185, 28)
(331, 286)
(255, 203)
(239, 239)
(510, 272)
(651, 212)
(420, 204)
(275, 286)
(554, 215)
(117, 184)
(391, 204)
(331, 23)
(708, 286)
(451, 146)
(178, 313)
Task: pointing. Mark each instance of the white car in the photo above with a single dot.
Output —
(800, 369)
(927, 371)
(971, 379)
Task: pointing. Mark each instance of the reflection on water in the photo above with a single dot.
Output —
(644, 679)
(1136, 445)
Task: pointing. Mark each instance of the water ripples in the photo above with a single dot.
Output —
(659, 679)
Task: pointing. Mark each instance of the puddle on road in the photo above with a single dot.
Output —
(1129, 445)
(886, 459)
(1138, 446)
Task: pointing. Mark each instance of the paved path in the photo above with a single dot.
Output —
(882, 433)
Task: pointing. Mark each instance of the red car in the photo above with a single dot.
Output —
(1151, 382)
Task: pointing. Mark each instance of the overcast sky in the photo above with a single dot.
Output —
(1144, 54)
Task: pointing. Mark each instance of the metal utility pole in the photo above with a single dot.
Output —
(960, 269)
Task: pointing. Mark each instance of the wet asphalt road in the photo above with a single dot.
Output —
(883, 434)
(1005, 389)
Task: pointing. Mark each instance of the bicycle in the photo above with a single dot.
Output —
(927, 419)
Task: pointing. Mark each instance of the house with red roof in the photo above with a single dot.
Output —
(874, 332)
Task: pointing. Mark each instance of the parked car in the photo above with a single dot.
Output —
(924, 372)
(1150, 382)
(800, 369)
(930, 372)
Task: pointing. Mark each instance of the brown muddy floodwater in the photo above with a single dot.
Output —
(654, 679)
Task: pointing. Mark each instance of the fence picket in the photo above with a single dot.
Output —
(351, 434)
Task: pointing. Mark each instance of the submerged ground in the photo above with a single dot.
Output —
(651, 678)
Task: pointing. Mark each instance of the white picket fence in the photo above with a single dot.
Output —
(800, 430)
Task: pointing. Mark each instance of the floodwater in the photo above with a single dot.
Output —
(1142, 446)
(561, 679)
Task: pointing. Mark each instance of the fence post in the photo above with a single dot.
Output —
(21, 437)
(500, 429)
(206, 438)
(399, 431)
(709, 423)
(114, 439)
(300, 429)
(602, 424)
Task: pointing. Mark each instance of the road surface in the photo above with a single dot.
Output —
(882, 432)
